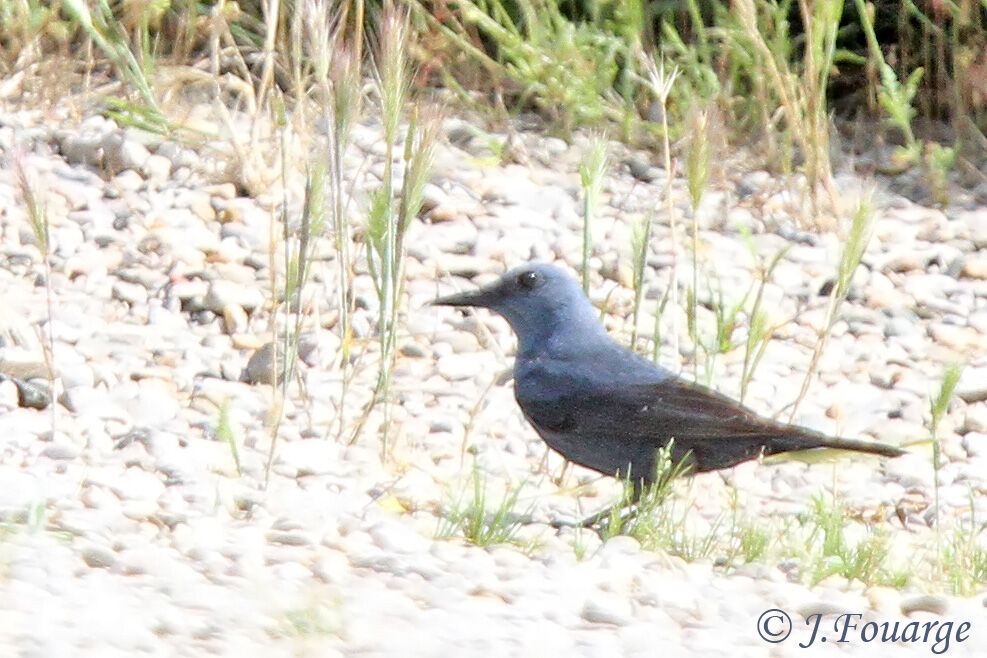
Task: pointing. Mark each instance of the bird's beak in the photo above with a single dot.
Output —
(486, 297)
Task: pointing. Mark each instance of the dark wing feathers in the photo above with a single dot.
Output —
(606, 427)
(655, 413)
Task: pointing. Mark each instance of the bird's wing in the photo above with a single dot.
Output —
(649, 412)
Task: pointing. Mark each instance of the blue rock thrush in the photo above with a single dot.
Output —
(603, 406)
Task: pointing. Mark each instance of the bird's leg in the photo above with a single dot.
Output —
(543, 464)
(628, 510)
(559, 479)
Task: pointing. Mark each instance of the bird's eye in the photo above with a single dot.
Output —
(527, 280)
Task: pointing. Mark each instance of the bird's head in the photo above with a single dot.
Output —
(538, 300)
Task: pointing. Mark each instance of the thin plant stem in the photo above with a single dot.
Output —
(853, 250)
(661, 86)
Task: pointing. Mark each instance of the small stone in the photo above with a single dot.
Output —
(77, 399)
(975, 419)
(81, 149)
(98, 557)
(972, 386)
(606, 608)
(260, 367)
(246, 342)
(225, 191)
(33, 394)
(221, 293)
(289, 538)
(120, 153)
(309, 344)
(156, 403)
(820, 607)
(461, 342)
(975, 267)
(960, 339)
(412, 350)
(457, 367)
(620, 545)
(975, 444)
(21, 364)
(130, 293)
(128, 180)
(460, 133)
(156, 168)
(643, 170)
(75, 374)
(464, 265)
(8, 394)
(332, 567)
(61, 450)
(432, 196)
(235, 319)
(937, 605)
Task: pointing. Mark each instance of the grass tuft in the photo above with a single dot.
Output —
(937, 408)
(37, 215)
(470, 517)
(591, 173)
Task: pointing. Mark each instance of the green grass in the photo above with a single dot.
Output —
(661, 82)
(853, 250)
(37, 215)
(106, 30)
(937, 408)
(318, 619)
(470, 515)
(829, 551)
(226, 433)
(759, 331)
(591, 174)
(726, 319)
(817, 540)
(766, 65)
(964, 555)
(647, 518)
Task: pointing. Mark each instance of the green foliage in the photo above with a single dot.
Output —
(395, 203)
(653, 518)
(939, 404)
(937, 407)
(759, 333)
(107, 33)
(225, 433)
(28, 26)
(697, 162)
(568, 68)
(964, 555)
(753, 542)
(832, 553)
(938, 160)
(894, 97)
(853, 250)
(591, 174)
(469, 516)
(640, 237)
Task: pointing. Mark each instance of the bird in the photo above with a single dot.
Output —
(603, 406)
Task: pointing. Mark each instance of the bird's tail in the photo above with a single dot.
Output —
(809, 441)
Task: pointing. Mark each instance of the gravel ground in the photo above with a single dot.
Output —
(126, 527)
